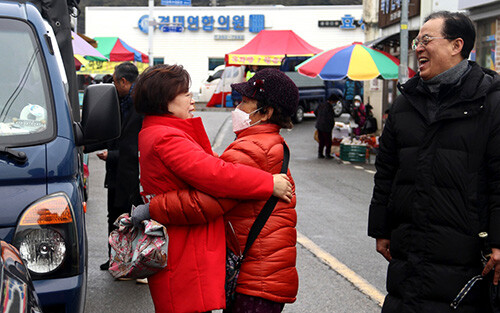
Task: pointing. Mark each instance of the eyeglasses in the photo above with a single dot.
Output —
(424, 41)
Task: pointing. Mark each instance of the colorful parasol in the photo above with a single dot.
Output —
(83, 51)
(83, 48)
(116, 50)
(354, 61)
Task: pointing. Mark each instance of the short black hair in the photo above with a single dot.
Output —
(457, 25)
(126, 70)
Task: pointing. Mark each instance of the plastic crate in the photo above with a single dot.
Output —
(353, 153)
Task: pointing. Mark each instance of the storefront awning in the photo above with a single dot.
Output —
(382, 40)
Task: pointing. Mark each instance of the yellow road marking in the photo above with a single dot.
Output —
(358, 281)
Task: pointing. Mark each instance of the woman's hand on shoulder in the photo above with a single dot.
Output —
(282, 187)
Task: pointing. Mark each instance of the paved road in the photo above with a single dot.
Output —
(332, 211)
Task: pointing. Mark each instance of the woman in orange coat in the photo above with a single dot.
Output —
(268, 278)
(175, 154)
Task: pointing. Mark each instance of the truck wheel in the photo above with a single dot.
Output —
(299, 115)
(338, 109)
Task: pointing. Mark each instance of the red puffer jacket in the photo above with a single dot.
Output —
(176, 154)
(268, 270)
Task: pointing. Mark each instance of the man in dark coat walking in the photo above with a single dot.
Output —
(437, 185)
(325, 120)
(121, 156)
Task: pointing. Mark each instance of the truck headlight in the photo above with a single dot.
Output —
(46, 237)
(43, 250)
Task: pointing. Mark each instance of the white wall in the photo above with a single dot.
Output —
(192, 49)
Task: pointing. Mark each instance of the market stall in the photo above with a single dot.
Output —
(359, 63)
(116, 51)
(267, 48)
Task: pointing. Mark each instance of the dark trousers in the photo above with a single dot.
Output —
(250, 304)
(325, 142)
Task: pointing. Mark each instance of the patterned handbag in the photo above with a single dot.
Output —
(137, 252)
(234, 257)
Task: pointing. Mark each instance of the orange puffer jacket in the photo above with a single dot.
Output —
(268, 270)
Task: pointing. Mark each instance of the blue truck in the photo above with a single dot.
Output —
(42, 207)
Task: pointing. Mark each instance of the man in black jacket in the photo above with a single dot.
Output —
(325, 120)
(121, 156)
(437, 186)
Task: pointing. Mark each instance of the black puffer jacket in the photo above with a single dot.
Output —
(325, 118)
(437, 186)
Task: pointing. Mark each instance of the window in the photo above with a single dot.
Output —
(214, 62)
(25, 102)
(157, 61)
(485, 44)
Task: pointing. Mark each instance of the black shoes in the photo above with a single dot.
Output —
(320, 156)
(104, 266)
(329, 156)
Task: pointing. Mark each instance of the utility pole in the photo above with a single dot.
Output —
(151, 5)
(403, 46)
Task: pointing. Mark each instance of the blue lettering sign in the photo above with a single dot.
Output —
(193, 23)
(224, 22)
(256, 23)
(347, 22)
(179, 19)
(208, 23)
(143, 23)
(176, 2)
(361, 23)
(239, 22)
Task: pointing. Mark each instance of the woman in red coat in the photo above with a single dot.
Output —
(268, 278)
(174, 154)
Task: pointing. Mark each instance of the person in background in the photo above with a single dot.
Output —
(325, 120)
(251, 71)
(370, 125)
(121, 154)
(436, 201)
(175, 154)
(358, 114)
(107, 79)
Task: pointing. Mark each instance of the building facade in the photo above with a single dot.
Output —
(486, 16)
(200, 37)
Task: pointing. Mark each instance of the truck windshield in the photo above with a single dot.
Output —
(25, 105)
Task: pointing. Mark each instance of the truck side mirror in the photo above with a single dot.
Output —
(100, 115)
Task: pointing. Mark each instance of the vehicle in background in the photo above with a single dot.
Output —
(312, 92)
(209, 86)
(17, 294)
(42, 212)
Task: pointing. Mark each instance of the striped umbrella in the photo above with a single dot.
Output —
(354, 61)
(116, 50)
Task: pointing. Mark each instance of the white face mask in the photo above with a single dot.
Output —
(241, 119)
(357, 104)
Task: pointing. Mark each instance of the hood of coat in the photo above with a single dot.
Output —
(461, 99)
